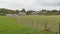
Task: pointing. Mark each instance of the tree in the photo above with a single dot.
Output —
(29, 12)
(17, 11)
(23, 10)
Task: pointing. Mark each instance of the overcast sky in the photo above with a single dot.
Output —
(30, 4)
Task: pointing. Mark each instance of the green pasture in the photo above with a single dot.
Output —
(9, 25)
(52, 21)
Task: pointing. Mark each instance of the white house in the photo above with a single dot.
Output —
(8, 14)
(11, 14)
(21, 13)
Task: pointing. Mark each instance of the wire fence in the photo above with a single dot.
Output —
(47, 26)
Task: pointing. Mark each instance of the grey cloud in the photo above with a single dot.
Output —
(47, 3)
(35, 4)
(51, 4)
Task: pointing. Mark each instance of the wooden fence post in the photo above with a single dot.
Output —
(32, 24)
(37, 25)
(45, 26)
(59, 28)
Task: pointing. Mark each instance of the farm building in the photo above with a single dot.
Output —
(11, 14)
(21, 13)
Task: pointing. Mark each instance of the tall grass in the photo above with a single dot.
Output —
(9, 25)
(53, 21)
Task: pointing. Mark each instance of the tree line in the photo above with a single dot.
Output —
(4, 11)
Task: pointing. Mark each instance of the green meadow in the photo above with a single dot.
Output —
(52, 21)
(9, 25)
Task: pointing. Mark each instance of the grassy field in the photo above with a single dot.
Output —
(52, 21)
(9, 25)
